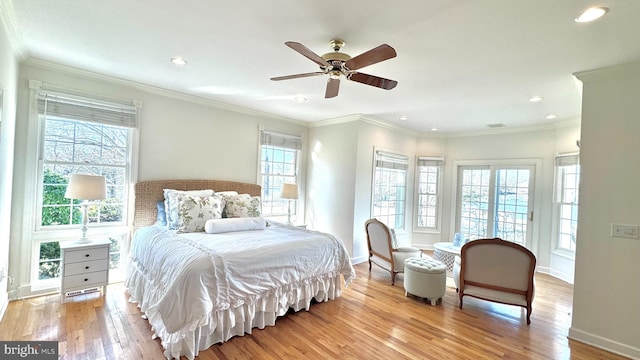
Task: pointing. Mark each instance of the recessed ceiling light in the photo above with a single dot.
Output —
(178, 61)
(591, 14)
(433, 129)
(403, 117)
(551, 116)
(300, 99)
(536, 98)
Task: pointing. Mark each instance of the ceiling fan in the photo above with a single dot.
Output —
(337, 64)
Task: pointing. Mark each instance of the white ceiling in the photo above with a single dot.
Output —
(461, 64)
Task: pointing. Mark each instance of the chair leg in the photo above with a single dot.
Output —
(369, 264)
(528, 314)
(393, 278)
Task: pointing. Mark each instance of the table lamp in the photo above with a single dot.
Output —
(86, 188)
(290, 192)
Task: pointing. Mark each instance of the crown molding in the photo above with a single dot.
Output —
(47, 65)
(522, 129)
(15, 36)
(365, 119)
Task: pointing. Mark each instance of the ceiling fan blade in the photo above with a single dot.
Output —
(304, 51)
(287, 77)
(373, 80)
(333, 85)
(375, 55)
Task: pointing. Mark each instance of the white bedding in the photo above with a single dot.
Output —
(198, 289)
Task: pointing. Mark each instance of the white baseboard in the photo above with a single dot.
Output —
(604, 343)
(358, 260)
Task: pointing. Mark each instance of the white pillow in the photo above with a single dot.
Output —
(243, 205)
(216, 226)
(171, 203)
(194, 211)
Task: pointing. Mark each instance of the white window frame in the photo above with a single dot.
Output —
(560, 190)
(429, 163)
(533, 163)
(387, 163)
(271, 192)
(118, 230)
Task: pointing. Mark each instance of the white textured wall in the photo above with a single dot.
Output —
(8, 76)
(607, 275)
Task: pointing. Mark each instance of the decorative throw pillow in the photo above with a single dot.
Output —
(161, 219)
(171, 203)
(194, 211)
(243, 205)
(394, 240)
(217, 226)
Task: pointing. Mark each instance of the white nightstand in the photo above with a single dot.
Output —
(84, 266)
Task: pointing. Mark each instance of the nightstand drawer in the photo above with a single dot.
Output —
(87, 280)
(74, 256)
(85, 267)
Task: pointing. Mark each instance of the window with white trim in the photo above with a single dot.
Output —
(428, 189)
(566, 200)
(279, 163)
(389, 188)
(85, 136)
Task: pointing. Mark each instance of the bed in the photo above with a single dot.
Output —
(197, 289)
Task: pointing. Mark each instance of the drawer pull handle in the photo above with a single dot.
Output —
(87, 255)
(86, 268)
(86, 279)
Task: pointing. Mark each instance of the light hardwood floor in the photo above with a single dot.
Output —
(372, 320)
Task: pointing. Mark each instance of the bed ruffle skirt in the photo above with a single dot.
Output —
(220, 325)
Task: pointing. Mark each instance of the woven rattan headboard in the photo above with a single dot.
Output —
(148, 193)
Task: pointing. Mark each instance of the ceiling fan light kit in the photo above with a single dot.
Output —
(337, 64)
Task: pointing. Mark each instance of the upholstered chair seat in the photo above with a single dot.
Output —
(384, 251)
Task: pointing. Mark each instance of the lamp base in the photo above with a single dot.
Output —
(82, 240)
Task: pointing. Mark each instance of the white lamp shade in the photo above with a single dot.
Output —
(289, 191)
(86, 187)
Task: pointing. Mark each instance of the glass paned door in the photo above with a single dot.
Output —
(494, 201)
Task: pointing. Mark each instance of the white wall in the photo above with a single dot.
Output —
(331, 179)
(607, 285)
(8, 76)
(180, 137)
(340, 173)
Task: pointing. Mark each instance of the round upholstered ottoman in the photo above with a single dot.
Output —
(425, 277)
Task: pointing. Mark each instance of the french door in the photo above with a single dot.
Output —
(495, 201)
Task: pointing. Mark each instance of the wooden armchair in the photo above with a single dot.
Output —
(383, 251)
(496, 270)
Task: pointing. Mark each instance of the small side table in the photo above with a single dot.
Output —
(446, 252)
(84, 266)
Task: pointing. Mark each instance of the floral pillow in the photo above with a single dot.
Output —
(171, 203)
(243, 205)
(194, 211)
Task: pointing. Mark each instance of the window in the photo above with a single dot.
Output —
(566, 200)
(494, 201)
(389, 188)
(429, 172)
(279, 156)
(86, 136)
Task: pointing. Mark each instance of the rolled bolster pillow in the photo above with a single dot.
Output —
(216, 226)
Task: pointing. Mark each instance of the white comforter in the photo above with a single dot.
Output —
(197, 284)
